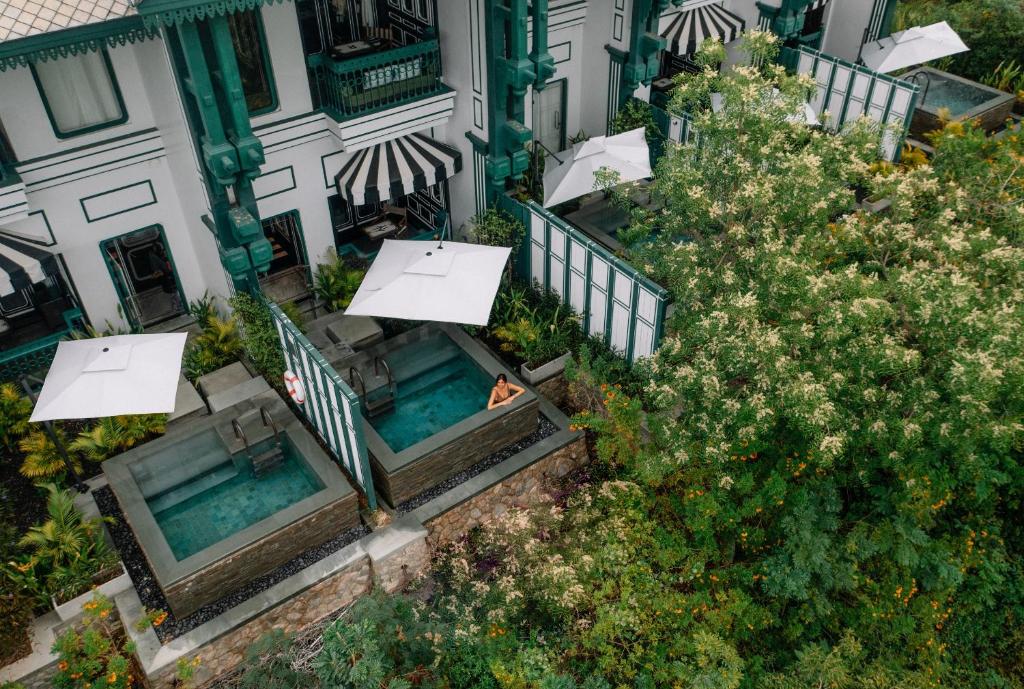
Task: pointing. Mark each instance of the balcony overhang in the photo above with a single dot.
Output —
(170, 13)
(21, 52)
(369, 130)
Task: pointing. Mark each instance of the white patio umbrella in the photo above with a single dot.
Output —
(912, 47)
(624, 153)
(111, 376)
(421, 281)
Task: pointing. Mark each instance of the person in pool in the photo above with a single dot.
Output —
(503, 392)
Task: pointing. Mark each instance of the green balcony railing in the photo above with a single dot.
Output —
(36, 356)
(370, 83)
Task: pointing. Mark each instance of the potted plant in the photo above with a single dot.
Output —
(542, 339)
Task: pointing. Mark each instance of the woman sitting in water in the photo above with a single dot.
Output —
(503, 392)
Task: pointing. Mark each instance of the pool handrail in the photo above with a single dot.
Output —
(240, 434)
(362, 385)
(387, 369)
(268, 420)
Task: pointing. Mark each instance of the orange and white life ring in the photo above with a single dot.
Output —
(294, 387)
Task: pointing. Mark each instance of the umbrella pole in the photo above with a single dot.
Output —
(52, 435)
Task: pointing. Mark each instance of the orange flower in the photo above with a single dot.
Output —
(62, 665)
(159, 619)
(111, 678)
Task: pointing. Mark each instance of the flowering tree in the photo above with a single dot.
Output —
(840, 396)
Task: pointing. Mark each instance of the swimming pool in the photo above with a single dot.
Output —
(963, 98)
(439, 424)
(436, 385)
(229, 496)
(207, 522)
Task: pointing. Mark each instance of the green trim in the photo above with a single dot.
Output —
(85, 211)
(90, 148)
(156, 13)
(22, 52)
(91, 128)
(291, 172)
(121, 296)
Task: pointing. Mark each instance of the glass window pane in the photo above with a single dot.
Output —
(79, 91)
(253, 64)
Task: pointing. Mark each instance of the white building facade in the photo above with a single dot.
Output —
(151, 153)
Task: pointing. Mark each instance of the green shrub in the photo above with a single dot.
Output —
(15, 408)
(534, 327)
(335, 282)
(268, 664)
(294, 314)
(633, 115)
(94, 655)
(385, 642)
(216, 346)
(495, 227)
(204, 309)
(113, 435)
(64, 553)
(259, 336)
(43, 461)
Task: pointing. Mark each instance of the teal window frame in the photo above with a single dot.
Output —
(93, 127)
(102, 245)
(268, 65)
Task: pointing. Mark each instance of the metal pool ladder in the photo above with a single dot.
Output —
(378, 405)
(273, 455)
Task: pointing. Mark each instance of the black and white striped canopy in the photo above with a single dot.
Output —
(816, 5)
(23, 264)
(395, 168)
(689, 29)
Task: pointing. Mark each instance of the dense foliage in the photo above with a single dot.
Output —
(816, 481)
(335, 282)
(63, 555)
(259, 336)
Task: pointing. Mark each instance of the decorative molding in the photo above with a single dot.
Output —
(169, 13)
(75, 41)
(117, 201)
(274, 182)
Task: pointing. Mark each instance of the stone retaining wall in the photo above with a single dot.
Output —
(555, 389)
(522, 489)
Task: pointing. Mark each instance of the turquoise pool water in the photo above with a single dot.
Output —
(228, 497)
(438, 385)
(958, 97)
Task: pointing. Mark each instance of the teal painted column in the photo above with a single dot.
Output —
(230, 152)
(510, 73)
(641, 65)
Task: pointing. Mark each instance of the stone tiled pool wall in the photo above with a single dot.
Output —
(229, 564)
(399, 476)
(387, 558)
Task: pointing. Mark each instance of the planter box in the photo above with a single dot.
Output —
(876, 206)
(544, 371)
(73, 608)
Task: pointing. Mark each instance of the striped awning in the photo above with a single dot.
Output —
(23, 265)
(816, 5)
(689, 29)
(396, 168)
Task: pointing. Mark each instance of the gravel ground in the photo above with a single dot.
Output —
(544, 429)
(151, 595)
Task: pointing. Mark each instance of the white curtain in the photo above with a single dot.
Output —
(79, 91)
